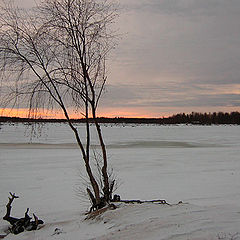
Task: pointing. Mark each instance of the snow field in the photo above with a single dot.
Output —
(199, 165)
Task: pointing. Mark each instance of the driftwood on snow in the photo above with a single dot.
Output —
(20, 224)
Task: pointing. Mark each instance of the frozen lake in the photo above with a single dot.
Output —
(199, 165)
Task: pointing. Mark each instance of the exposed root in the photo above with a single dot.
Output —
(147, 201)
(117, 198)
(96, 213)
(97, 210)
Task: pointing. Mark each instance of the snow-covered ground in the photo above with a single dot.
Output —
(198, 165)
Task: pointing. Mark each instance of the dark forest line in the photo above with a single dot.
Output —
(181, 118)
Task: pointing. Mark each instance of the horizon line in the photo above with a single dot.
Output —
(117, 117)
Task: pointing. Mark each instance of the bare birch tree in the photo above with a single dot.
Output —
(54, 56)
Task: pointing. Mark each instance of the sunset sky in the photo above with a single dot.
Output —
(173, 56)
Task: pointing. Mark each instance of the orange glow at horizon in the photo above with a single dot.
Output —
(24, 113)
(110, 113)
(115, 112)
(127, 113)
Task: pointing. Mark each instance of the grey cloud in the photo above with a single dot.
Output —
(218, 100)
(201, 46)
(119, 95)
(157, 96)
(184, 7)
(26, 3)
(175, 53)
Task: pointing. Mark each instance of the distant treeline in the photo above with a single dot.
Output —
(181, 118)
(206, 118)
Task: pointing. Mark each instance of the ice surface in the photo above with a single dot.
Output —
(199, 165)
